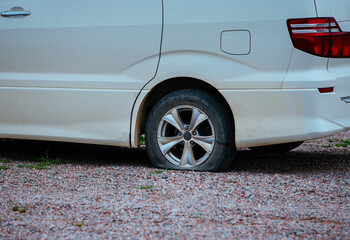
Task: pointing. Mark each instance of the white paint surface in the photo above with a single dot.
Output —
(72, 70)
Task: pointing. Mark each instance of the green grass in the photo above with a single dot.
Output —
(142, 140)
(343, 143)
(39, 166)
(50, 161)
(2, 167)
(44, 162)
(337, 143)
(5, 160)
(15, 208)
(146, 187)
(23, 210)
(157, 171)
(79, 224)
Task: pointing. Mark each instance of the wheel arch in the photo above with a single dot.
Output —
(162, 89)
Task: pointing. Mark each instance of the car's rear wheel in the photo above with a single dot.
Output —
(284, 147)
(190, 130)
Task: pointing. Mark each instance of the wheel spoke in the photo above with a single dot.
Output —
(197, 118)
(174, 119)
(206, 142)
(167, 143)
(187, 156)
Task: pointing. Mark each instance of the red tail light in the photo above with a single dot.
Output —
(326, 90)
(319, 36)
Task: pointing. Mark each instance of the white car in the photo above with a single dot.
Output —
(200, 79)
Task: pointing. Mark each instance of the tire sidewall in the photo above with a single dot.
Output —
(224, 140)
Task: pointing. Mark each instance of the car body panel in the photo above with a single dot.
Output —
(190, 46)
(195, 27)
(285, 115)
(72, 115)
(69, 56)
(83, 74)
(339, 9)
(345, 26)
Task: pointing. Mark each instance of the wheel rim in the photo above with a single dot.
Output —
(186, 136)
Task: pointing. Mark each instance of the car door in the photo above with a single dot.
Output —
(71, 70)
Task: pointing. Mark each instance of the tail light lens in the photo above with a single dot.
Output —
(319, 36)
(326, 90)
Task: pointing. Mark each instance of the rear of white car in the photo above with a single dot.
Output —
(279, 91)
(199, 78)
(320, 68)
(272, 88)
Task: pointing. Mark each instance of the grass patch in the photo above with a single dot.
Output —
(44, 162)
(343, 143)
(146, 187)
(15, 208)
(157, 171)
(79, 224)
(337, 143)
(50, 161)
(39, 166)
(4, 167)
(23, 210)
(142, 140)
(5, 160)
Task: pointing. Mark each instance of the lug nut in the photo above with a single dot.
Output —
(186, 128)
(194, 133)
(192, 142)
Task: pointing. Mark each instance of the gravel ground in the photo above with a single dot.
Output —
(115, 193)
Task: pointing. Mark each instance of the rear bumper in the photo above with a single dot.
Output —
(264, 117)
(298, 111)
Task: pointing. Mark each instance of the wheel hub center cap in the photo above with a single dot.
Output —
(187, 136)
